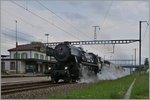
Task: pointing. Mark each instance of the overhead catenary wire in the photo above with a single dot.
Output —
(106, 14)
(45, 20)
(12, 36)
(24, 21)
(22, 33)
(145, 31)
(12, 30)
(61, 18)
(105, 17)
(6, 40)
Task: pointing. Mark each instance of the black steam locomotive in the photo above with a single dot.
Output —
(70, 59)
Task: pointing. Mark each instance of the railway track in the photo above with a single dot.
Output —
(13, 88)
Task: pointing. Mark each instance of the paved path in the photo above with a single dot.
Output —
(127, 95)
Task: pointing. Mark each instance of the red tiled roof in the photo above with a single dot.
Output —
(26, 47)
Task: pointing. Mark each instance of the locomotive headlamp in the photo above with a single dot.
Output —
(66, 68)
(49, 68)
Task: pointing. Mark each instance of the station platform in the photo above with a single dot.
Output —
(13, 80)
(23, 78)
(23, 75)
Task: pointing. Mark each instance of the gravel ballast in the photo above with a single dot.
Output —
(45, 93)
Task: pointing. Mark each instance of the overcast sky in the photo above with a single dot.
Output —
(69, 20)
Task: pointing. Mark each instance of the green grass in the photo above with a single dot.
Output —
(115, 89)
(141, 87)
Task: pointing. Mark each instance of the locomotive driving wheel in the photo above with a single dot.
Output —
(55, 80)
(67, 78)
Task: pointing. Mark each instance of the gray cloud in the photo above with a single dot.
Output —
(99, 6)
(75, 3)
(74, 16)
(22, 37)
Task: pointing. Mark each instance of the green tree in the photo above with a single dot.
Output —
(146, 63)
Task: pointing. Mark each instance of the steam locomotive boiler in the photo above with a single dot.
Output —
(70, 59)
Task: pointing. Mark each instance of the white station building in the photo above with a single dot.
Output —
(29, 58)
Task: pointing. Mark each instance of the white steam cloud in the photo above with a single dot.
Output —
(108, 72)
(87, 75)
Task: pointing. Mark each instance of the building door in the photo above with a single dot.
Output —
(30, 68)
(12, 66)
(3, 66)
(46, 67)
(41, 68)
(36, 68)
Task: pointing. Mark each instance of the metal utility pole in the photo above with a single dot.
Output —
(135, 56)
(47, 42)
(95, 35)
(16, 49)
(132, 64)
(113, 48)
(47, 37)
(140, 22)
(132, 59)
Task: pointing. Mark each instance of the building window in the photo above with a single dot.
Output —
(18, 56)
(24, 55)
(41, 57)
(46, 57)
(36, 56)
(3, 66)
(12, 66)
(30, 68)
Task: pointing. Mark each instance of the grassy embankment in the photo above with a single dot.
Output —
(112, 89)
(141, 87)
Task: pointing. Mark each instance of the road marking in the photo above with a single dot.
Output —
(127, 95)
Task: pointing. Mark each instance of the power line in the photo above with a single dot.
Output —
(22, 33)
(61, 18)
(51, 11)
(6, 40)
(18, 31)
(25, 34)
(12, 36)
(19, 18)
(145, 31)
(6, 28)
(107, 13)
(65, 22)
(33, 26)
(44, 19)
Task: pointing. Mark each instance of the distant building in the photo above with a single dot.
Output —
(30, 58)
